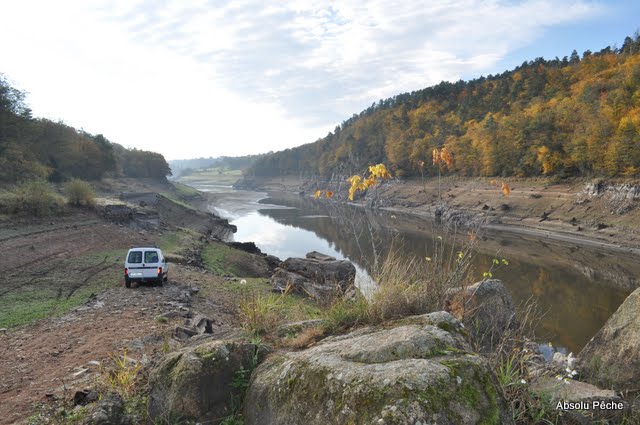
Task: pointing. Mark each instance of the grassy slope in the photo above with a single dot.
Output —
(213, 175)
(53, 288)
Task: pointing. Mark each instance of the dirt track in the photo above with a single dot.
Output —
(50, 265)
(42, 359)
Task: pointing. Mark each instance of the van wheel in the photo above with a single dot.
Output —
(127, 283)
(166, 278)
(159, 283)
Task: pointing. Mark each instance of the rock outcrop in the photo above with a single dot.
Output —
(420, 371)
(486, 309)
(195, 383)
(612, 358)
(318, 276)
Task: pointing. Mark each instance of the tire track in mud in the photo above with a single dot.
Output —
(11, 236)
(34, 277)
(86, 279)
(39, 273)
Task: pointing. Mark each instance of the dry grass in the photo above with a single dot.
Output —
(35, 198)
(406, 287)
(122, 375)
(79, 193)
(514, 360)
(345, 313)
(306, 338)
(261, 313)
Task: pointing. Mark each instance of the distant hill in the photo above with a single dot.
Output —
(575, 116)
(37, 148)
(184, 167)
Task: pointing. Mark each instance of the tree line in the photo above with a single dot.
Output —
(185, 167)
(575, 116)
(37, 148)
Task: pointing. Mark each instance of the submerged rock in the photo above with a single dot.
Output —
(612, 358)
(420, 371)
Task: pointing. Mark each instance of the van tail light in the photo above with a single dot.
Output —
(126, 271)
(159, 271)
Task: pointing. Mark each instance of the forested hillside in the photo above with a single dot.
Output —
(570, 116)
(36, 148)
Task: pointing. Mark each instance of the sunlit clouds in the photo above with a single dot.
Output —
(204, 78)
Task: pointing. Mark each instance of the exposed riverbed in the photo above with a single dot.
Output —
(577, 287)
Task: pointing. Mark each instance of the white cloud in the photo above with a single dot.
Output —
(204, 78)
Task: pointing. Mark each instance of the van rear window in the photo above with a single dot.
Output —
(135, 257)
(150, 256)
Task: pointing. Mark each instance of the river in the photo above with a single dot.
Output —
(576, 288)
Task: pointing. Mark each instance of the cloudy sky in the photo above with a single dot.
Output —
(207, 78)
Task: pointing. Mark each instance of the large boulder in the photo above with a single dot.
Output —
(318, 276)
(486, 309)
(419, 371)
(195, 383)
(612, 358)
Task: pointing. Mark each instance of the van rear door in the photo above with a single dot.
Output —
(134, 263)
(150, 264)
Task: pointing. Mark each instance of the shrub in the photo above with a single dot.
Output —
(35, 198)
(261, 313)
(345, 313)
(405, 287)
(79, 192)
(122, 376)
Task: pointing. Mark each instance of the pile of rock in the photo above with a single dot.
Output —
(198, 325)
(317, 276)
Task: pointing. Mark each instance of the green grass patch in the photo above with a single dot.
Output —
(224, 260)
(173, 198)
(292, 307)
(185, 191)
(174, 242)
(214, 175)
(54, 289)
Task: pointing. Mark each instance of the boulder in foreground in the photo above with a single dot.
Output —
(420, 371)
(612, 358)
(486, 309)
(195, 383)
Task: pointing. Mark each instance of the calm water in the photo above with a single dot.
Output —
(578, 288)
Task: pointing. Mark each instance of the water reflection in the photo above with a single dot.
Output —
(578, 288)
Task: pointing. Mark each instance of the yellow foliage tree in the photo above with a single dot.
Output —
(376, 172)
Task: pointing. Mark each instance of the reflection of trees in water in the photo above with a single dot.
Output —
(568, 283)
(574, 308)
(347, 228)
(363, 235)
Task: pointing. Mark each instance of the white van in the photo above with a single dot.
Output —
(145, 264)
